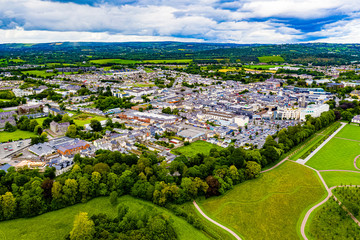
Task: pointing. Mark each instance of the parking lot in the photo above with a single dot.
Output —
(9, 148)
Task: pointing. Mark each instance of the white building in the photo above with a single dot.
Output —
(241, 121)
(288, 113)
(314, 110)
(21, 93)
(356, 119)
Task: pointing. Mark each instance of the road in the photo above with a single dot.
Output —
(214, 222)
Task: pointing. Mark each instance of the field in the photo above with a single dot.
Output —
(270, 207)
(39, 73)
(57, 224)
(195, 148)
(338, 153)
(314, 140)
(17, 60)
(85, 118)
(341, 178)
(263, 67)
(5, 100)
(169, 61)
(113, 61)
(266, 59)
(6, 136)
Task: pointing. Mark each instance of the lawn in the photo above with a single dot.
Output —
(195, 148)
(57, 224)
(338, 153)
(85, 118)
(341, 178)
(266, 59)
(263, 67)
(270, 207)
(6, 136)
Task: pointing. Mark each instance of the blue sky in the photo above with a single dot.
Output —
(243, 21)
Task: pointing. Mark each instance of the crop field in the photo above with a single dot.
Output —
(267, 59)
(57, 224)
(269, 207)
(114, 61)
(338, 153)
(6, 136)
(195, 148)
(85, 118)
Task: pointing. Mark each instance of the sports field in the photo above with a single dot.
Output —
(270, 207)
(195, 148)
(55, 225)
(339, 152)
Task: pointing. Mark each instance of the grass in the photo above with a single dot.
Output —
(17, 60)
(338, 153)
(143, 85)
(57, 224)
(113, 61)
(5, 100)
(195, 148)
(262, 67)
(6, 136)
(314, 140)
(266, 59)
(169, 61)
(341, 178)
(269, 207)
(85, 118)
(39, 73)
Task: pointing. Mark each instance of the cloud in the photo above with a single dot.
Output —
(242, 21)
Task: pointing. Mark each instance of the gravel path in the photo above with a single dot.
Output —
(214, 222)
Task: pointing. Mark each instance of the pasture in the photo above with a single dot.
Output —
(39, 73)
(57, 224)
(266, 59)
(269, 207)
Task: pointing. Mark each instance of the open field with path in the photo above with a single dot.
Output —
(195, 148)
(270, 207)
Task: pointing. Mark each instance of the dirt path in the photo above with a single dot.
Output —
(278, 164)
(356, 158)
(331, 170)
(214, 222)
(347, 139)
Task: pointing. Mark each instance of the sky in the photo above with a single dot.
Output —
(224, 21)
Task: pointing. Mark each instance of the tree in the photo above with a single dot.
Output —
(71, 131)
(8, 205)
(33, 124)
(252, 170)
(83, 229)
(95, 125)
(113, 198)
(66, 118)
(84, 188)
(70, 190)
(9, 127)
(38, 130)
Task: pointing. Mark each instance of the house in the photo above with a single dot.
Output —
(356, 119)
(59, 128)
(55, 111)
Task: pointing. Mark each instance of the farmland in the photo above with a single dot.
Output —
(195, 148)
(124, 61)
(282, 195)
(57, 224)
(39, 73)
(266, 59)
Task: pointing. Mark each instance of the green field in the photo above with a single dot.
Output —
(270, 207)
(5, 100)
(57, 224)
(266, 59)
(341, 178)
(338, 153)
(314, 140)
(114, 61)
(40, 73)
(263, 67)
(195, 148)
(85, 118)
(169, 61)
(6, 136)
(17, 60)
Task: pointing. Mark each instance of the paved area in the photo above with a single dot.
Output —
(10, 148)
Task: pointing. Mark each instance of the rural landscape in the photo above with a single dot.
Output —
(190, 120)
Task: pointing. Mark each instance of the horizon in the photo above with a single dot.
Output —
(207, 21)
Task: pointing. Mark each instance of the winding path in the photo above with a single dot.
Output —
(278, 164)
(355, 162)
(214, 222)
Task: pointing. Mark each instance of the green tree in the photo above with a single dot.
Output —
(71, 131)
(113, 198)
(70, 190)
(83, 228)
(95, 125)
(8, 205)
(252, 170)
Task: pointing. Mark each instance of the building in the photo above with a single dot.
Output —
(287, 113)
(356, 119)
(75, 147)
(314, 110)
(59, 128)
(30, 109)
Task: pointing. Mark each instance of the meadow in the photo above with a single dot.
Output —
(195, 148)
(169, 61)
(341, 178)
(6, 136)
(269, 207)
(338, 153)
(124, 61)
(39, 73)
(266, 59)
(57, 224)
